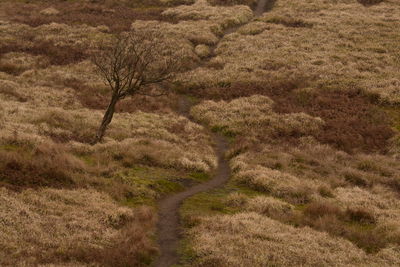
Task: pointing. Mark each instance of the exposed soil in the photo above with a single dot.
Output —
(354, 121)
(169, 227)
(263, 6)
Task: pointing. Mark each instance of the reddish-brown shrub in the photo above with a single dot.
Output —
(38, 167)
(12, 93)
(290, 22)
(231, 2)
(356, 178)
(355, 224)
(317, 210)
(360, 215)
(117, 16)
(132, 247)
(58, 55)
(352, 121)
(94, 98)
(370, 2)
(11, 69)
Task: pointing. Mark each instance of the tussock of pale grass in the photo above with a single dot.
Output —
(236, 199)
(219, 241)
(199, 23)
(383, 203)
(16, 63)
(357, 48)
(311, 160)
(78, 36)
(44, 143)
(45, 112)
(274, 182)
(269, 206)
(184, 33)
(47, 226)
(154, 136)
(328, 183)
(112, 15)
(240, 115)
(202, 10)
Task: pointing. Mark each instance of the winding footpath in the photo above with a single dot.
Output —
(169, 233)
(169, 227)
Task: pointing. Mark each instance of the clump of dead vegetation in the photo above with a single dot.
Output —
(50, 98)
(250, 3)
(370, 2)
(69, 224)
(342, 59)
(352, 120)
(93, 13)
(314, 180)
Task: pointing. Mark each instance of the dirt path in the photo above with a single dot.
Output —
(263, 6)
(169, 228)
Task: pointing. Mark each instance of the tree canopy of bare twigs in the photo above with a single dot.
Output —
(137, 62)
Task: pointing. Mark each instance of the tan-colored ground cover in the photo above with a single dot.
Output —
(50, 226)
(65, 201)
(310, 187)
(317, 179)
(333, 44)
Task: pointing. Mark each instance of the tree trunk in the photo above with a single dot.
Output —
(106, 119)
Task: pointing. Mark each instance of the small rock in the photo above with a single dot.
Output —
(202, 51)
(51, 11)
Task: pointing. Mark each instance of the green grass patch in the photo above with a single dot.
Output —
(205, 204)
(200, 176)
(147, 184)
(187, 254)
(9, 147)
(88, 159)
(223, 130)
(212, 203)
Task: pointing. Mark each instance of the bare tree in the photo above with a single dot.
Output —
(135, 63)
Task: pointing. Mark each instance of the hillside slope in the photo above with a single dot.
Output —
(306, 93)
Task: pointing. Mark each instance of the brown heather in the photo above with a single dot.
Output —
(353, 121)
(116, 16)
(306, 93)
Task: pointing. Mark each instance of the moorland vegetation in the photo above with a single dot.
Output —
(307, 95)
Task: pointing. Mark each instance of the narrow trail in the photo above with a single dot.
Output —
(263, 6)
(169, 226)
(169, 233)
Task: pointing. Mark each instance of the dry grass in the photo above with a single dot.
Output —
(358, 48)
(370, 2)
(353, 121)
(289, 88)
(324, 181)
(250, 3)
(48, 226)
(240, 115)
(306, 173)
(116, 17)
(50, 102)
(45, 166)
(219, 241)
(202, 10)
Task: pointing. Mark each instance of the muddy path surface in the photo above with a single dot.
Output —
(169, 227)
(259, 9)
(263, 6)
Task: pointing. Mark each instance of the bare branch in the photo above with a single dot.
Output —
(132, 63)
